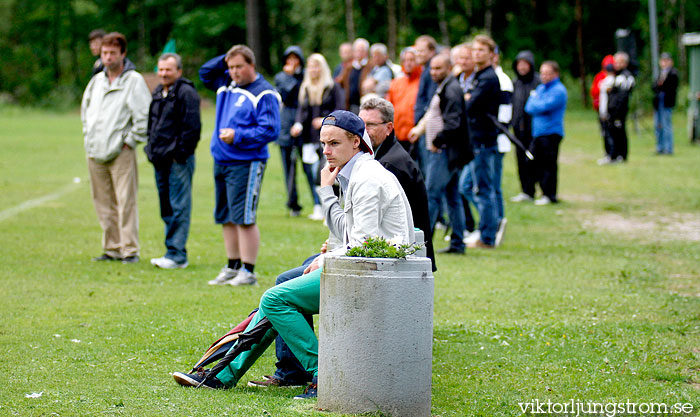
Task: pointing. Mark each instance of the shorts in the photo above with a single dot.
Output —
(237, 192)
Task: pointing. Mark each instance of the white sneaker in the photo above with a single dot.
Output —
(501, 231)
(243, 278)
(604, 160)
(440, 226)
(473, 237)
(167, 263)
(520, 198)
(225, 275)
(317, 214)
(543, 201)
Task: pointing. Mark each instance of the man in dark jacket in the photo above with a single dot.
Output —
(447, 144)
(526, 81)
(482, 99)
(287, 83)
(664, 101)
(174, 129)
(426, 48)
(378, 115)
(618, 106)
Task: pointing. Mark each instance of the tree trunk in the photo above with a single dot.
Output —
(682, 59)
(579, 44)
(141, 46)
(442, 15)
(488, 17)
(391, 27)
(349, 20)
(56, 24)
(76, 70)
(252, 27)
(403, 13)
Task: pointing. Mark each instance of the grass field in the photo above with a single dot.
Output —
(594, 299)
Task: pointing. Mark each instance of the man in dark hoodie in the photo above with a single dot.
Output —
(526, 81)
(174, 128)
(287, 83)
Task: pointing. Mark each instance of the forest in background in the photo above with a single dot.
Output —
(46, 60)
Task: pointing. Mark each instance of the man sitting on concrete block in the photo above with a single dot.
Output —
(374, 205)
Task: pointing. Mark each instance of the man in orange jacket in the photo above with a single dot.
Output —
(595, 94)
(402, 94)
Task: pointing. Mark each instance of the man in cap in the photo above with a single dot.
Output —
(375, 205)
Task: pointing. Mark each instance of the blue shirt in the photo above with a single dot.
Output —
(346, 171)
(547, 106)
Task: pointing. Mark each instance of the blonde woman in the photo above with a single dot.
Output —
(319, 96)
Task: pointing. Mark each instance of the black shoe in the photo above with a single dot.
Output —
(195, 380)
(450, 249)
(130, 259)
(311, 391)
(105, 257)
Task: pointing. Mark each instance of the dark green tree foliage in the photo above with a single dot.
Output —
(46, 59)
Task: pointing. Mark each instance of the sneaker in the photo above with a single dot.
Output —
(243, 278)
(311, 391)
(501, 231)
(605, 160)
(294, 212)
(167, 263)
(521, 198)
(271, 381)
(317, 214)
(472, 238)
(225, 275)
(543, 201)
(479, 244)
(195, 380)
(105, 257)
(440, 226)
(130, 259)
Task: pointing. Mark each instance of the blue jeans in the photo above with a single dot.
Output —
(289, 369)
(664, 129)
(442, 182)
(174, 182)
(485, 174)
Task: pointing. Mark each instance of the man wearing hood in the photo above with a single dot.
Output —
(174, 128)
(287, 83)
(114, 113)
(527, 80)
(402, 94)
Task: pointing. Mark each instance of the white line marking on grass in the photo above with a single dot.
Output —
(30, 204)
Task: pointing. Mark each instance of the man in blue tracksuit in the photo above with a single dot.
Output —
(247, 119)
(547, 106)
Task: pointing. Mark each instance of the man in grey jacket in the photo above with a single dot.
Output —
(114, 113)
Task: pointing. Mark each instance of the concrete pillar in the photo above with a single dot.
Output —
(375, 336)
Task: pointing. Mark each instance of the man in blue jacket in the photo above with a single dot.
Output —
(547, 106)
(247, 119)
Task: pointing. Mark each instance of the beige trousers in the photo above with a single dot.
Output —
(114, 193)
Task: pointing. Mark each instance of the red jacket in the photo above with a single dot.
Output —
(402, 94)
(595, 87)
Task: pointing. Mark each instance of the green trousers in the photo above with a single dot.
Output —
(284, 305)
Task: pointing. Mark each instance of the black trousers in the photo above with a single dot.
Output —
(526, 167)
(618, 135)
(546, 152)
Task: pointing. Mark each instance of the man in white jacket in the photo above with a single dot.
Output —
(114, 113)
(374, 205)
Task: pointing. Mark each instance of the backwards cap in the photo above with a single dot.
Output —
(349, 122)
